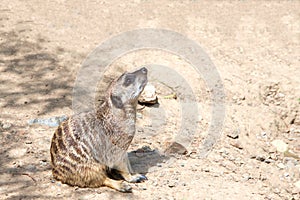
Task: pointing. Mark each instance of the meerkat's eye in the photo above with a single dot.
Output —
(128, 80)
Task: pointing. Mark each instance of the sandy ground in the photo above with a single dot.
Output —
(254, 46)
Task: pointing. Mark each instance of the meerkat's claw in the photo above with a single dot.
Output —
(138, 178)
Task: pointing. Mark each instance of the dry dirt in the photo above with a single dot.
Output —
(254, 46)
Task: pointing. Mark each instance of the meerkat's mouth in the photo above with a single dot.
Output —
(142, 73)
(144, 83)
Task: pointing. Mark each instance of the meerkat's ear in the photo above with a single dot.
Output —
(116, 101)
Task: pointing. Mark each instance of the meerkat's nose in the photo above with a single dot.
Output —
(144, 70)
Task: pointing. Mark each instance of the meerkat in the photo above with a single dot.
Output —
(88, 147)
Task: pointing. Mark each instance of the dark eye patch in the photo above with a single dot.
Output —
(129, 79)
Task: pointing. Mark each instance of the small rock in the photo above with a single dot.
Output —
(223, 151)
(297, 184)
(236, 145)
(176, 148)
(273, 156)
(155, 183)
(172, 184)
(290, 119)
(193, 155)
(276, 190)
(269, 161)
(286, 174)
(263, 134)
(234, 134)
(260, 158)
(246, 177)
(43, 162)
(281, 166)
(6, 125)
(280, 145)
(206, 170)
(148, 96)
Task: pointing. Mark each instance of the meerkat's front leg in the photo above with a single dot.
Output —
(126, 171)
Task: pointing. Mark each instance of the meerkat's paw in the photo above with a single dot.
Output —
(124, 187)
(118, 185)
(137, 178)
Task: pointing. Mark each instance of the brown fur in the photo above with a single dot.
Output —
(87, 146)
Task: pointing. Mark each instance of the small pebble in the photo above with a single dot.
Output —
(155, 183)
(263, 134)
(269, 161)
(234, 134)
(43, 163)
(246, 177)
(281, 166)
(236, 144)
(171, 185)
(175, 148)
(6, 125)
(260, 158)
(206, 170)
(144, 188)
(297, 184)
(280, 145)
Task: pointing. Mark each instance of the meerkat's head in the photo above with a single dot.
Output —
(128, 87)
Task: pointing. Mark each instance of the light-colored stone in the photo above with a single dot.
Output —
(6, 125)
(297, 184)
(149, 95)
(281, 166)
(280, 145)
